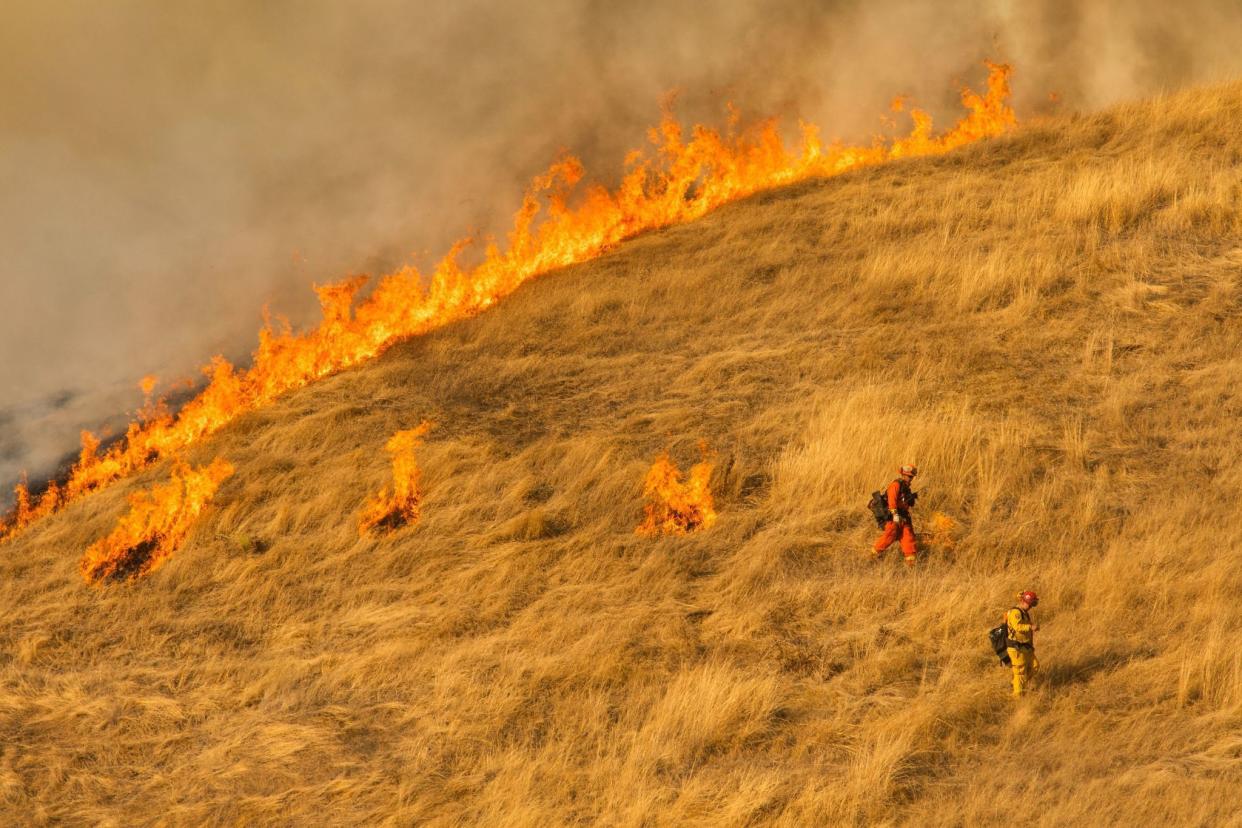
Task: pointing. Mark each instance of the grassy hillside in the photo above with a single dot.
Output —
(1049, 325)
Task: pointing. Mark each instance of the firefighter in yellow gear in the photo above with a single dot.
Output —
(1020, 642)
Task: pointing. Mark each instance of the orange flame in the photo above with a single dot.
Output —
(157, 522)
(942, 531)
(680, 181)
(402, 505)
(674, 507)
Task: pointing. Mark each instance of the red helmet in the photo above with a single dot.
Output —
(909, 469)
(1029, 598)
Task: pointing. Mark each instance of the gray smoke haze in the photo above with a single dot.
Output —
(168, 169)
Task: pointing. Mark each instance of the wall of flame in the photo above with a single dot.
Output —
(679, 178)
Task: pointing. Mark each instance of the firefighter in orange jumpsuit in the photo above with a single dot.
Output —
(900, 500)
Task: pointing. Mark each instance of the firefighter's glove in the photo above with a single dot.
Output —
(897, 518)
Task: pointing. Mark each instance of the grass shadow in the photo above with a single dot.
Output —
(1080, 671)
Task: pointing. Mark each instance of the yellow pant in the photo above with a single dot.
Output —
(1024, 666)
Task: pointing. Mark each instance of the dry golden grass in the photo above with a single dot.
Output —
(1049, 325)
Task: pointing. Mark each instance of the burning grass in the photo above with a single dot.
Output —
(766, 674)
(155, 526)
(679, 181)
(674, 506)
(402, 504)
(941, 532)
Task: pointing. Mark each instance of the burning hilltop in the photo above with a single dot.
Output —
(1048, 324)
(561, 222)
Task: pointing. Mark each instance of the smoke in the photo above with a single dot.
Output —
(169, 169)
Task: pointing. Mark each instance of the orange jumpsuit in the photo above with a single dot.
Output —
(898, 503)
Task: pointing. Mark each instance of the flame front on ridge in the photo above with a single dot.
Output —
(679, 181)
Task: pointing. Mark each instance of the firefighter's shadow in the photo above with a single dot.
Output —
(1082, 670)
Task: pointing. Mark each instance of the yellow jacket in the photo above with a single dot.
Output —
(1019, 623)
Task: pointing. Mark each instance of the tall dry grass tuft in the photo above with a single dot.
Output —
(1048, 325)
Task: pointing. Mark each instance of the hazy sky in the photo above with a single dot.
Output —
(166, 169)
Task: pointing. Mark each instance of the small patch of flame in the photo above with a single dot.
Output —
(679, 180)
(402, 504)
(675, 507)
(155, 526)
(941, 531)
(28, 510)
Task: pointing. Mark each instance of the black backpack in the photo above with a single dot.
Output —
(878, 505)
(879, 508)
(998, 637)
